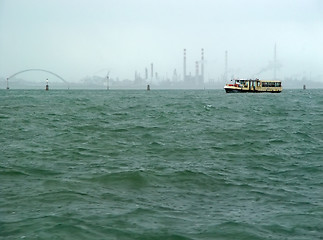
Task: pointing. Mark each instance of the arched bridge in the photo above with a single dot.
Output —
(39, 70)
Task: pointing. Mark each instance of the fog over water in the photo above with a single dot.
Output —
(83, 40)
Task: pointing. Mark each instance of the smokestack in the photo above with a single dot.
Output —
(152, 71)
(196, 70)
(184, 65)
(226, 66)
(275, 62)
(202, 65)
(175, 75)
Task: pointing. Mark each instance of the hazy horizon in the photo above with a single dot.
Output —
(78, 39)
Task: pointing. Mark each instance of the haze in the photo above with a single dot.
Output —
(84, 38)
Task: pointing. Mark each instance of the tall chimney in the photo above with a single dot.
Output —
(197, 70)
(184, 65)
(226, 66)
(152, 71)
(275, 62)
(202, 65)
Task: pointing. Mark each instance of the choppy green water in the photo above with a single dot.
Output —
(161, 165)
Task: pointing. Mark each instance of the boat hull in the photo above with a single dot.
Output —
(236, 90)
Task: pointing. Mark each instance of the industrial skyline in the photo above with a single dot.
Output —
(189, 79)
(197, 79)
(152, 78)
(77, 39)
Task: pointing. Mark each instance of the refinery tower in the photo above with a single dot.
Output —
(197, 79)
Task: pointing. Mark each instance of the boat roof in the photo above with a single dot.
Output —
(256, 79)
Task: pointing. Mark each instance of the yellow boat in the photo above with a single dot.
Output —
(254, 85)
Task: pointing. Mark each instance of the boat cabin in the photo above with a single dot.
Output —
(254, 85)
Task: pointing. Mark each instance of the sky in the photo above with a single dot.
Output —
(81, 38)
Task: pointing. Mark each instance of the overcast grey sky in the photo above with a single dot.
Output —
(78, 38)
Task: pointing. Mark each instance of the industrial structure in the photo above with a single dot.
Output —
(191, 76)
(196, 80)
(226, 67)
(275, 62)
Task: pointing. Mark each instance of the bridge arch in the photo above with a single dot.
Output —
(39, 70)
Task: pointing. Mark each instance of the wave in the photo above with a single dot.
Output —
(163, 164)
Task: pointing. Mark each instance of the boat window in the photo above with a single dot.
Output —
(271, 84)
